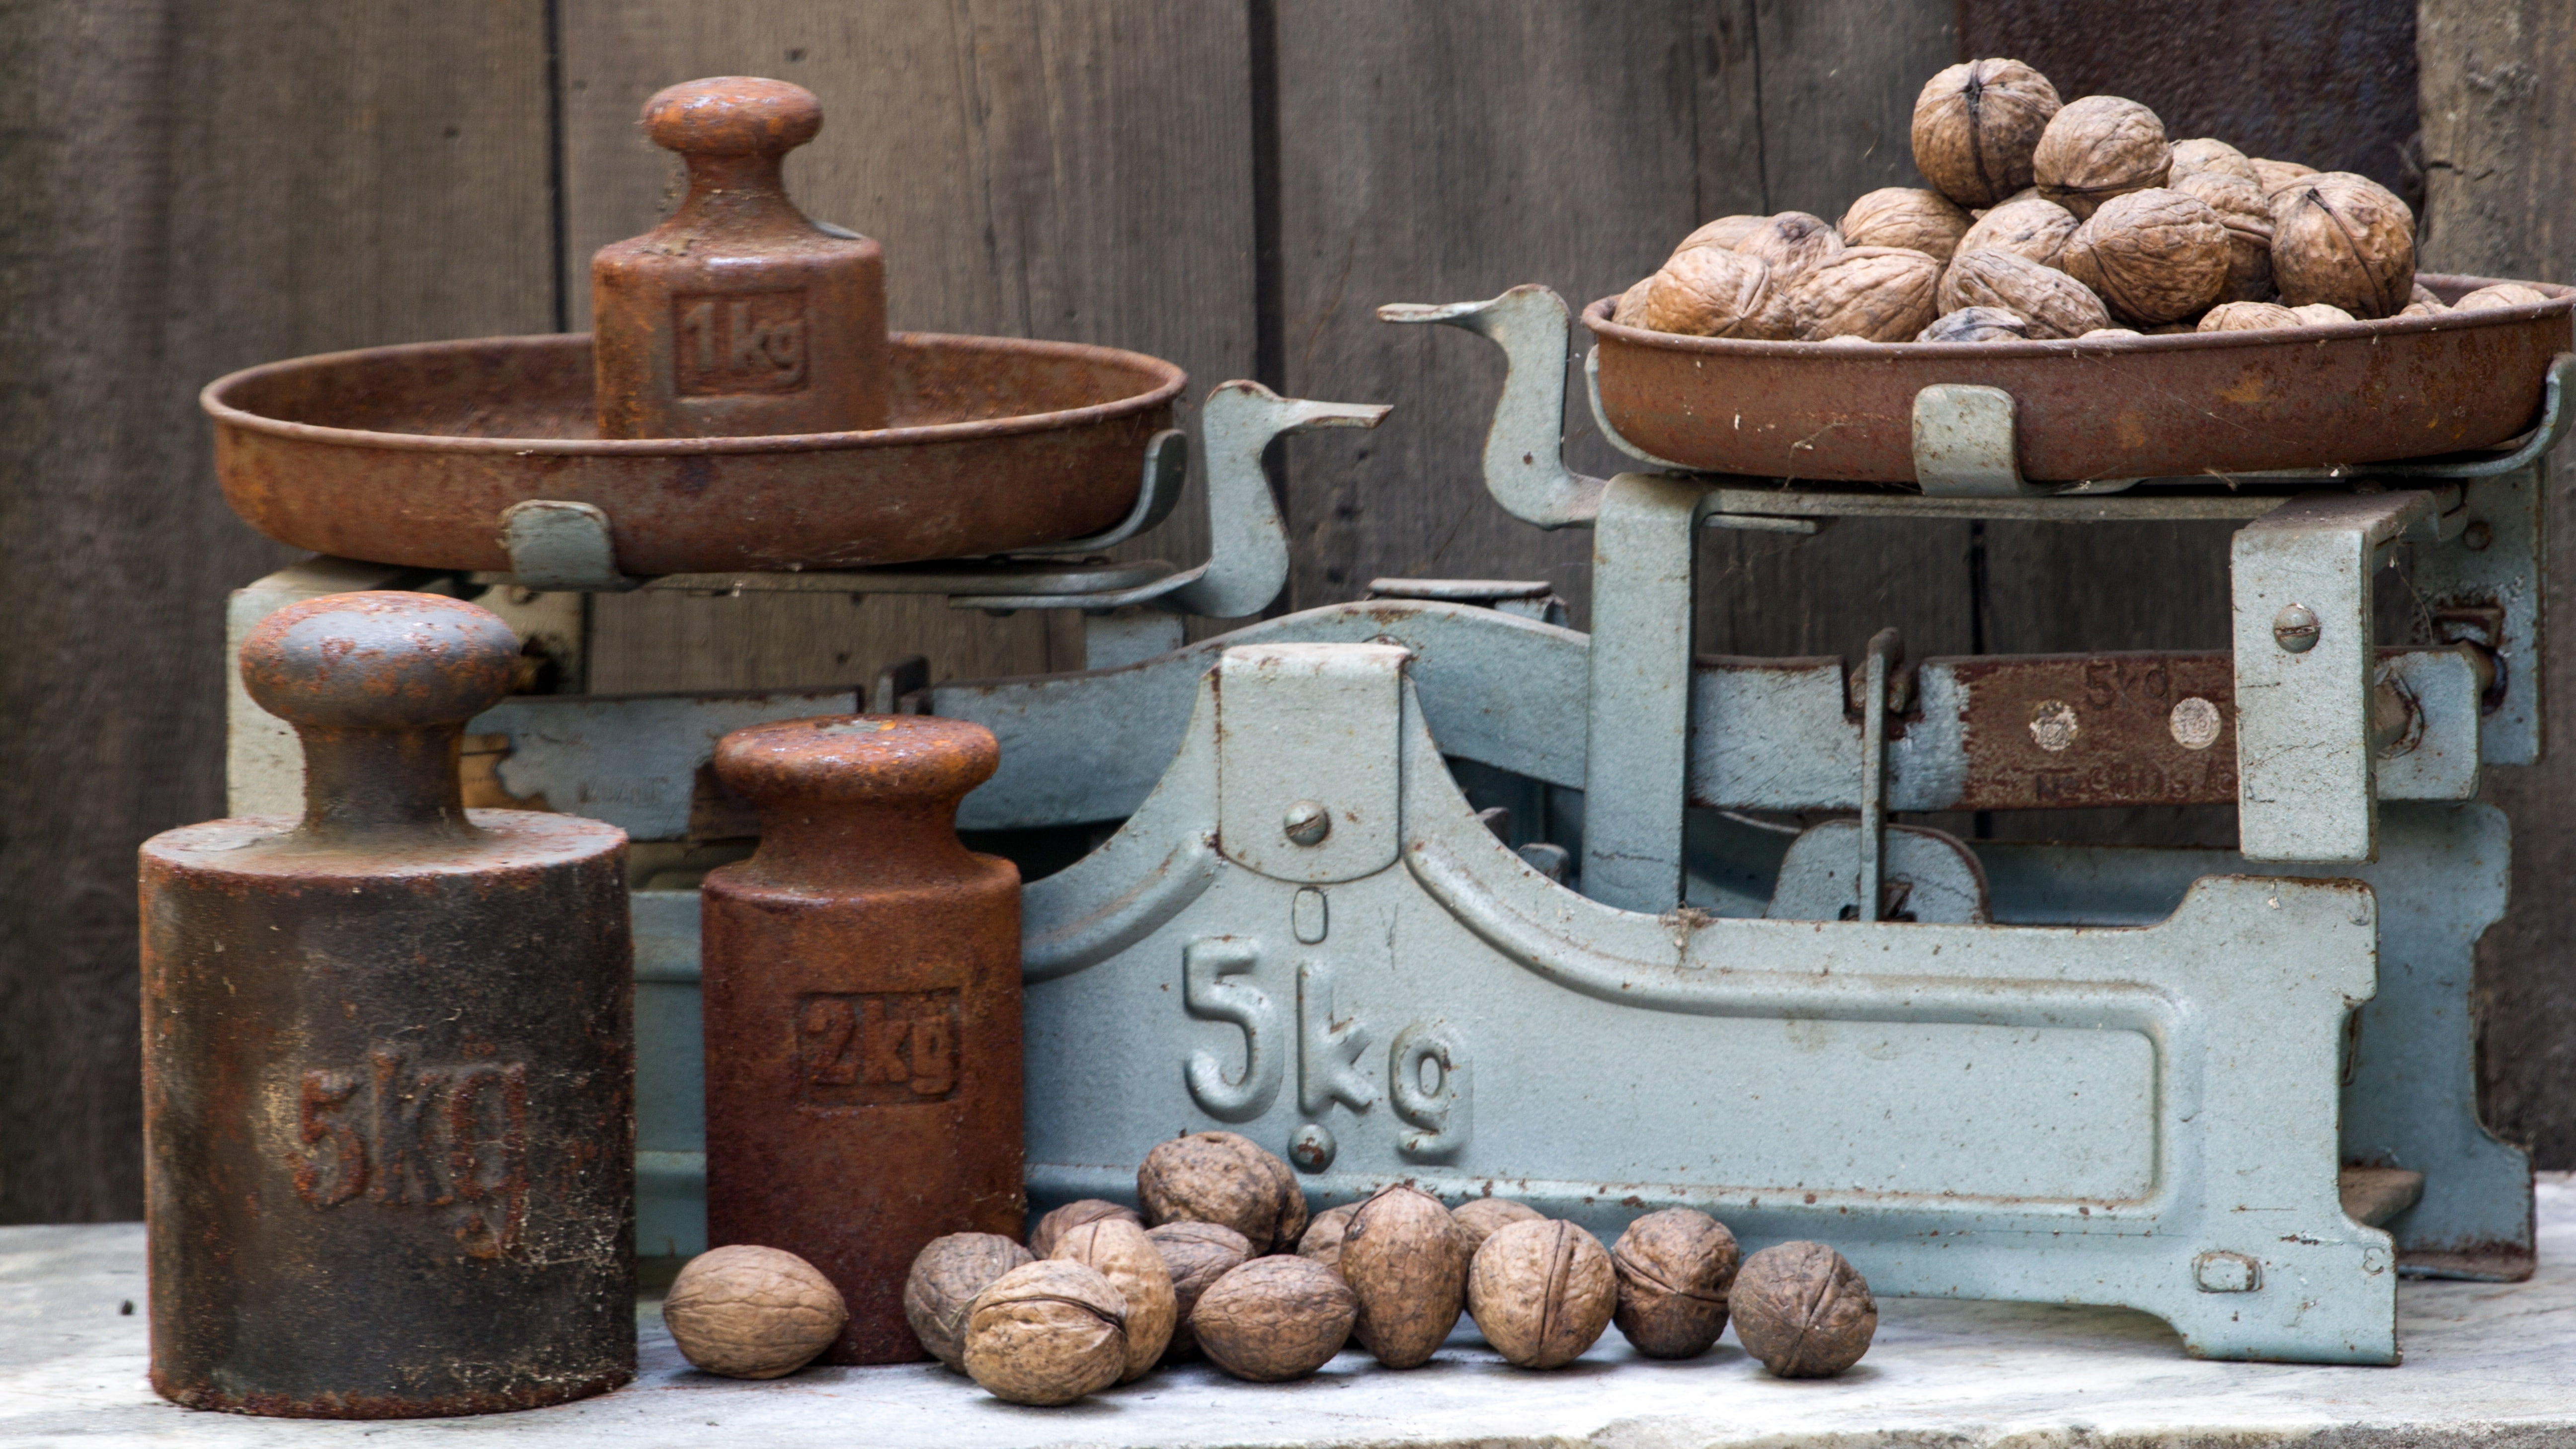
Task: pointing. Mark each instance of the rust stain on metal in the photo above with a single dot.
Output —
(862, 1011)
(2183, 405)
(2060, 731)
(388, 1078)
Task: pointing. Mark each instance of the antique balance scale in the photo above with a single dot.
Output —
(1427, 886)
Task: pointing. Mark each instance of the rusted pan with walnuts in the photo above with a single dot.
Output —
(2155, 307)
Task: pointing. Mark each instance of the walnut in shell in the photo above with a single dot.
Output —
(2322, 314)
(1905, 216)
(2502, 294)
(1705, 292)
(2424, 296)
(1119, 1251)
(1479, 1217)
(946, 1275)
(2203, 154)
(2098, 148)
(1541, 1292)
(1276, 1318)
(2247, 317)
(1976, 125)
(752, 1313)
(1879, 294)
(1047, 1332)
(1323, 1239)
(1976, 324)
(1196, 1254)
(1802, 1310)
(1042, 1238)
(1723, 233)
(2155, 255)
(1675, 1269)
(1792, 244)
(1221, 1177)
(1631, 308)
(1402, 1257)
(2049, 302)
(2114, 332)
(2343, 239)
(2248, 219)
(2272, 176)
(2030, 226)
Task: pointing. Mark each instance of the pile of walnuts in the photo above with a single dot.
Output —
(1223, 1265)
(2049, 220)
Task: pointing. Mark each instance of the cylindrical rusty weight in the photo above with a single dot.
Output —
(862, 1009)
(387, 1073)
(738, 316)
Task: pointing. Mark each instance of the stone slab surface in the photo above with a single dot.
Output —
(2491, 1365)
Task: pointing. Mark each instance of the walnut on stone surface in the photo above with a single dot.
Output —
(1541, 1292)
(1976, 125)
(1196, 1254)
(1073, 1215)
(2098, 148)
(946, 1275)
(1802, 1310)
(1402, 1256)
(1047, 1332)
(752, 1313)
(1119, 1251)
(1275, 1319)
(1223, 1177)
(1479, 1218)
(1675, 1269)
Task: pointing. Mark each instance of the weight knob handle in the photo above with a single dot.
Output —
(733, 115)
(379, 687)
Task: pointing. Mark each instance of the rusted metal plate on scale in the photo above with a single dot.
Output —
(2134, 407)
(408, 455)
(2071, 730)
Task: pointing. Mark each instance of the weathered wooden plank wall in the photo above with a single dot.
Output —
(192, 188)
(2500, 199)
(1234, 184)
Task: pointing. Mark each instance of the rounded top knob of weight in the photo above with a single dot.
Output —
(379, 661)
(868, 757)
(733, 115)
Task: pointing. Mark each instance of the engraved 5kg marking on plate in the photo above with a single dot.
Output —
(400, 1133)
(731, 343)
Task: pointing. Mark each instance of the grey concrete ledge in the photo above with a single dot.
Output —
(2488, 1365)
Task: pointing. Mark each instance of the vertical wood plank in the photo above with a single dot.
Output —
(2500, 199)
(193, 189)
(1039, 168)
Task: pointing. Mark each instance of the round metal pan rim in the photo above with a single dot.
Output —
(1597, 317)
(1170, 381)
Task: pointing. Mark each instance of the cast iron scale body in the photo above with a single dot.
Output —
(2231, 1088)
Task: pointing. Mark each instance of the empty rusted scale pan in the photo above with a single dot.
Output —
(387, 1073)
(2099, 408)
(862, 1010)
(744, 409)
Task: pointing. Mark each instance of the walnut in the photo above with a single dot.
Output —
(1705, 292)
(1219, 1177)
(1196, 1254)
(2502, 294)
(2030, 226)
(1881, 294)
(1402, 1257)
(1541, 1292)
(1723, 233)
(1047, 1332)
(2050, 302)
(1675, 1268)
(946, 1275)
(2108, 332)
(1976, 324)
(1802, 1310)
(2098, 148)
(1905, 216)
(2322, 314)
(2272, 176)
(2247, 317)
(1631, 308)
(2425, 297)
(752, 1313)
(1042, 1238)
(2204, 155)
(2155, 255)
(1976, 125)
(2248, 219)
(1479, 1217)
(1792, 244)
(2420, 309)
(1323, 1239)
(2343, 239)
(1276, 1318)
(1119, 1251)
